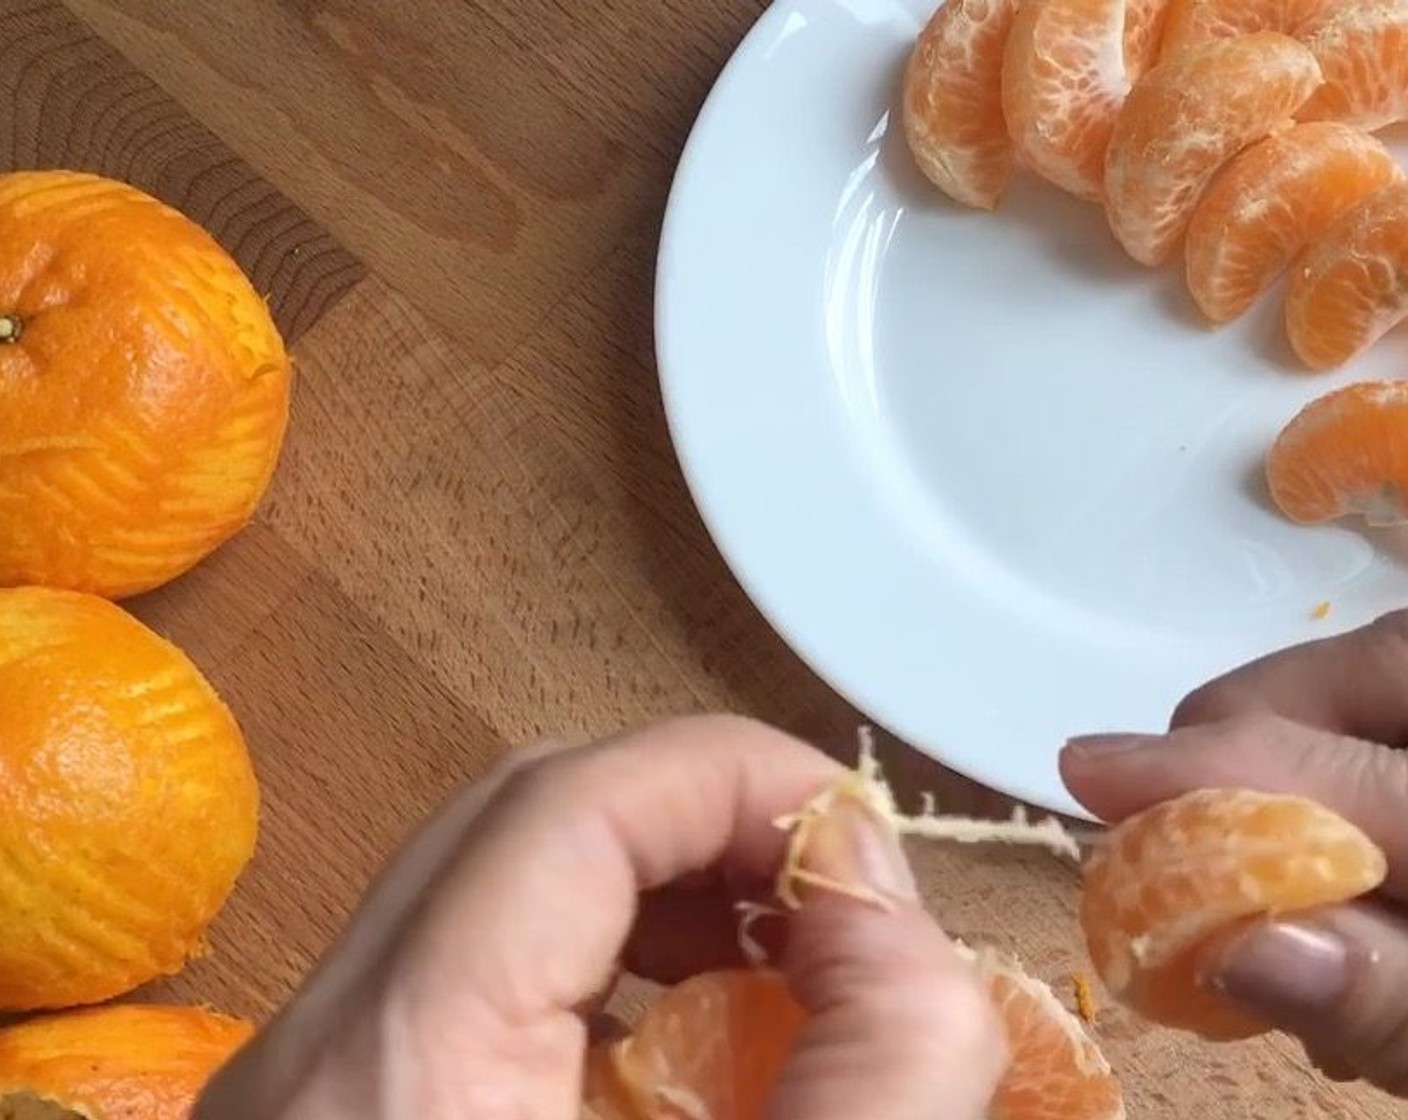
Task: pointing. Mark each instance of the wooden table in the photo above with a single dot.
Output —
(478, 533)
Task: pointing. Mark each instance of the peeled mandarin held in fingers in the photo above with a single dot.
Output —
(1193, 23)
(1063, 81)
(1271, 201)
(1168, 883)
(1362, 46)
(1055, 1069)
(953, 118)
(1345, 454)
(144, 389)
(1184, 120)
(128, 805)
(714, 1047)
(1346, 293)
(115, 1063)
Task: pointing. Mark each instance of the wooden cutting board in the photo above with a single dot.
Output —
(478, 534)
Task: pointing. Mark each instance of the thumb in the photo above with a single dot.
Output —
(899, 1025)
(1337, 979)
(1116, 776)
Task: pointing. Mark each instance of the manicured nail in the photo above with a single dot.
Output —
(1103, 746)
(1288, 974)
(853, 846)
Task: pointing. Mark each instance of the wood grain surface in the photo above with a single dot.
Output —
(478, 534)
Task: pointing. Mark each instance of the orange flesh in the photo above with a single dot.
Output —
(1346, 453)
(1063, 82)
(1192, 23)
(1363, 51)
(713, 1048)
(1351, 286)
(1270, 202)
(1168, 883)
(953, 118)
(1184, 120)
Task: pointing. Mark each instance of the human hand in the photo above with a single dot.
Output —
(461, 988)
(1327, 720)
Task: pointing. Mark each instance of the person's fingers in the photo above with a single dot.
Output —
(1353, 684)
(501, 930)
(899, 1026)
(329, 996)
(1336, 979)
(1367, 783)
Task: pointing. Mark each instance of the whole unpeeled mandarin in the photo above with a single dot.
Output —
(128, 803)
(114, 1063)
(144, 388)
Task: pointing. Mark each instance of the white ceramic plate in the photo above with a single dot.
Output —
(994, 482)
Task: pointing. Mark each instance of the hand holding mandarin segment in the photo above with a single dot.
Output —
(1328, 721)
(462, 989)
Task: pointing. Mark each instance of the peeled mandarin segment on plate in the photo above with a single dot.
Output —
(1193, 23)
(144, 388)
(114, 1063)
(953, 118)
(1063, 82)
(1345, 454)
(1348, 291)
(1056, 1071)
(1184, 120)
(1145, 22)
(1166, 885)
(1270, 202)
(128, 804)
(1363, 51)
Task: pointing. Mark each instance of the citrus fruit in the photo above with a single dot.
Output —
(144, 388)
(1063, 82)
(128, 804)
(1345, 453)
(1270, 202)
(953, 118)
(1347, 291)
(1168, 883)
(1055, 1072)
(1192, 23)
(1186, 118)
(1145, 25)
(114, 1063)
(1363, 51)
(710, 1048)
(713, 1048)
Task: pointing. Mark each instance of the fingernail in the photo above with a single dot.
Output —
(1286, 973)
(854, 847)
(1104, 746)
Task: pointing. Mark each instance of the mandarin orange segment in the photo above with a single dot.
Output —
(953, 118)
(1056, 1071)
(114, 1063)
(1194, 23)
(1348, 290)
(1145, 23)
(1063, 82)
(144, 388)
(1168, 882)
(1184, 120)
(1363, 51)
(1270, 202)
(1345, 454)
(128, 805)
(711, 1048)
